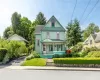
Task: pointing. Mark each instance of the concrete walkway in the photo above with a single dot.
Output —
(51, 68)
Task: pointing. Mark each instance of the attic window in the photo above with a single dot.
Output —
(53, 24)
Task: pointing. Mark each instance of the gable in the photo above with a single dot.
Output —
(49, 25)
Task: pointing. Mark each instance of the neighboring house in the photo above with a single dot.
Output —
(50, 38)
(93, 40)
(17, 38)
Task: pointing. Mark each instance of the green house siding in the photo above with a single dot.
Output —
(38, 47)
(49, 43)
(53, 35)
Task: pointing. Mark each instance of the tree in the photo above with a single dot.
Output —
(90, 30)
(8, 32)
(73, 33)
(24, 27)
(15, 19)
(40, 19)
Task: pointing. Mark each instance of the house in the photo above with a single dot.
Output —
(50, 38)
(16, 37)
(92, 41)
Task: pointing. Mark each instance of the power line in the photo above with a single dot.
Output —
(84, 10)
(91, 10)
(73, 10)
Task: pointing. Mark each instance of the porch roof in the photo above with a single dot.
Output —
(52, 40)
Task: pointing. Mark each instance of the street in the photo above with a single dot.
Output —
(8, 74)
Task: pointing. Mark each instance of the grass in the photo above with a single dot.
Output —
(35, 62)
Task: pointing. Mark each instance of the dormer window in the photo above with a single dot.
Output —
(53, 24)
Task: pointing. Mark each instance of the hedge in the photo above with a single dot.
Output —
(3, 52)
(76, 60)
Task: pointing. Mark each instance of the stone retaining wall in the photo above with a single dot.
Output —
(79, 65)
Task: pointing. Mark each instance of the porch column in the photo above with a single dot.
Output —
(53, 47)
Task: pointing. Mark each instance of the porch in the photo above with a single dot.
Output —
(53, 48)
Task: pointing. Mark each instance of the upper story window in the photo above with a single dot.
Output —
(48, 35)
(52, 24)
(57, 35)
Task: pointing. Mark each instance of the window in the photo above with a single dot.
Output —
(38, 42)
(43, 47)
(48, 36)
(57, 35)
(52, 24)
(90, 41)
(50, 47)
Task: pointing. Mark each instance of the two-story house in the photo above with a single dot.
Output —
(50, 38)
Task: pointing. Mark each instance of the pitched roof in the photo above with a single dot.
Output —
(95, 36)
(17, 38)
(53, 18)
(38, 29)
(52, 40)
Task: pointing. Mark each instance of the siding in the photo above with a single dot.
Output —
(53, 35)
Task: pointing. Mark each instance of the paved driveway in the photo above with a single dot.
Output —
(7, 74)
(16, 62)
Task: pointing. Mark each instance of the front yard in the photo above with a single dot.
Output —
(35, 62)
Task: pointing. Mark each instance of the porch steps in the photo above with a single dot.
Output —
(49, 62)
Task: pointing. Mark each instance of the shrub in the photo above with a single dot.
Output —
(56, 56)
(95, 54)
(34, 62)
(78, 47)
(35, 54)
(3, 52)
(75, 55)
(76, 60)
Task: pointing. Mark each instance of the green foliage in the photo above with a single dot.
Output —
(3, 52)
(62, 55)
(33, 54)
(34, 62)
(90, 30)
(77, 48)
(93, 54)
(14, 49)
(76, 60)
(40, 19)
(73, 34)
(87, 50)
(8, 32)
(15, 19)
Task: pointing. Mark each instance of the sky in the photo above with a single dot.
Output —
(61, 9)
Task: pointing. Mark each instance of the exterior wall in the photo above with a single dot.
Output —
(53, 35)
(38, 48)
(49, 24)
(93, 44)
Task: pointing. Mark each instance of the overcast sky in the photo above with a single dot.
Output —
(61, 9)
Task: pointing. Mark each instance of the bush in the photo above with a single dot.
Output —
(94, 54)
(35, 62)
(33, 54)
(3, 52)
(76, 60)
(56, 56)
(77, 48)
(75, 55)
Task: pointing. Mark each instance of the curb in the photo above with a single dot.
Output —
(51, 68)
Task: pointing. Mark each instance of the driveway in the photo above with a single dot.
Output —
(16, 62)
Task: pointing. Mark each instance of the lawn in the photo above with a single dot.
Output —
(35, 62)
